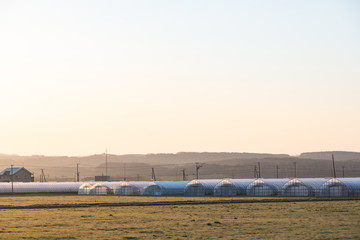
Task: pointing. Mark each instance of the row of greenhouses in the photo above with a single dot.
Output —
(40, 187)
(295, 187)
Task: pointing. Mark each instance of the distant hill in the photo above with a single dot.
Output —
(170, 166)
(338, 155)
(165, 158)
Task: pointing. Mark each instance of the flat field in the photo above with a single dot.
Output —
(111, 217)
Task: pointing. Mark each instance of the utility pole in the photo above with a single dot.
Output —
(198, 166)
(124, 171)
(12, 179)
(153, 177)
(333, 162)
(106, 172)
(184, 175)
(42, 176)
(259, 173)
(77, 173)
(343, 171)
(295, 169)
(255, 172)
(277, 171)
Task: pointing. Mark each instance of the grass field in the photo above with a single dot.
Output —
(248, 218)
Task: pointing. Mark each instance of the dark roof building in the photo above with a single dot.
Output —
(16, 175)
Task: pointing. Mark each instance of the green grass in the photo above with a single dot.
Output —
(258, 220)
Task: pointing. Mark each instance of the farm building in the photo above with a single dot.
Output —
(201, 187)
(16, 175)
(232, 187)
(165, 188)
(266, 187)
(36, 187)
(303, 187)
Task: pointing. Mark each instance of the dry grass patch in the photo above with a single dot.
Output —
(300, 220)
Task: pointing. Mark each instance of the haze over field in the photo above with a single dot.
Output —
(170, 166)
(77, 77)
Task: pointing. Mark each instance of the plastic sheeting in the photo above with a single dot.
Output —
(100, 189)
(166, 188)
(232, 187)
(353, 186)
(84, 189)
(266, 187)
(132, 188)
(201, 187)
(40, 187)
(334, 188)
(303, 187)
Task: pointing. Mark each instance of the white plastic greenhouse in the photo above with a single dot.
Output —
(353, 186)
(232, 187)
(165, 188)
(303, 187)
(266, 187)
(132, 188)
(100, 189)
(40, 187)
(334, 188)
(84, 189)
(201, 187)
(299, 187)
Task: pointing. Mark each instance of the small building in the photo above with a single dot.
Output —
(102, 178)
(16, 175)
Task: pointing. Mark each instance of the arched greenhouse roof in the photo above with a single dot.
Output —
(352, 184)
(303, 186)
(40, 187)
(132, 187)
(84, 189)
(201, 187)
(100, 189)
(266, 187)
(172, 187)
(334, 188)
(232, 187)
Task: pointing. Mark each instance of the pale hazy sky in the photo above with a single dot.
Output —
(168, 76)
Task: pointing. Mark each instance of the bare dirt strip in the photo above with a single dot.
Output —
(174, 203)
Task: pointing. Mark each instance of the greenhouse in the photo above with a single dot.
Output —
(266, 187)
(84, 189)
(132, 188)
(169, 188)
(232, 187)
(40, 187)
(334, 188)
(303, 187)
(100, 189)
(353, 185)
(201, 187)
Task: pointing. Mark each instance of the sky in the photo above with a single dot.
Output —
(77, 77)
